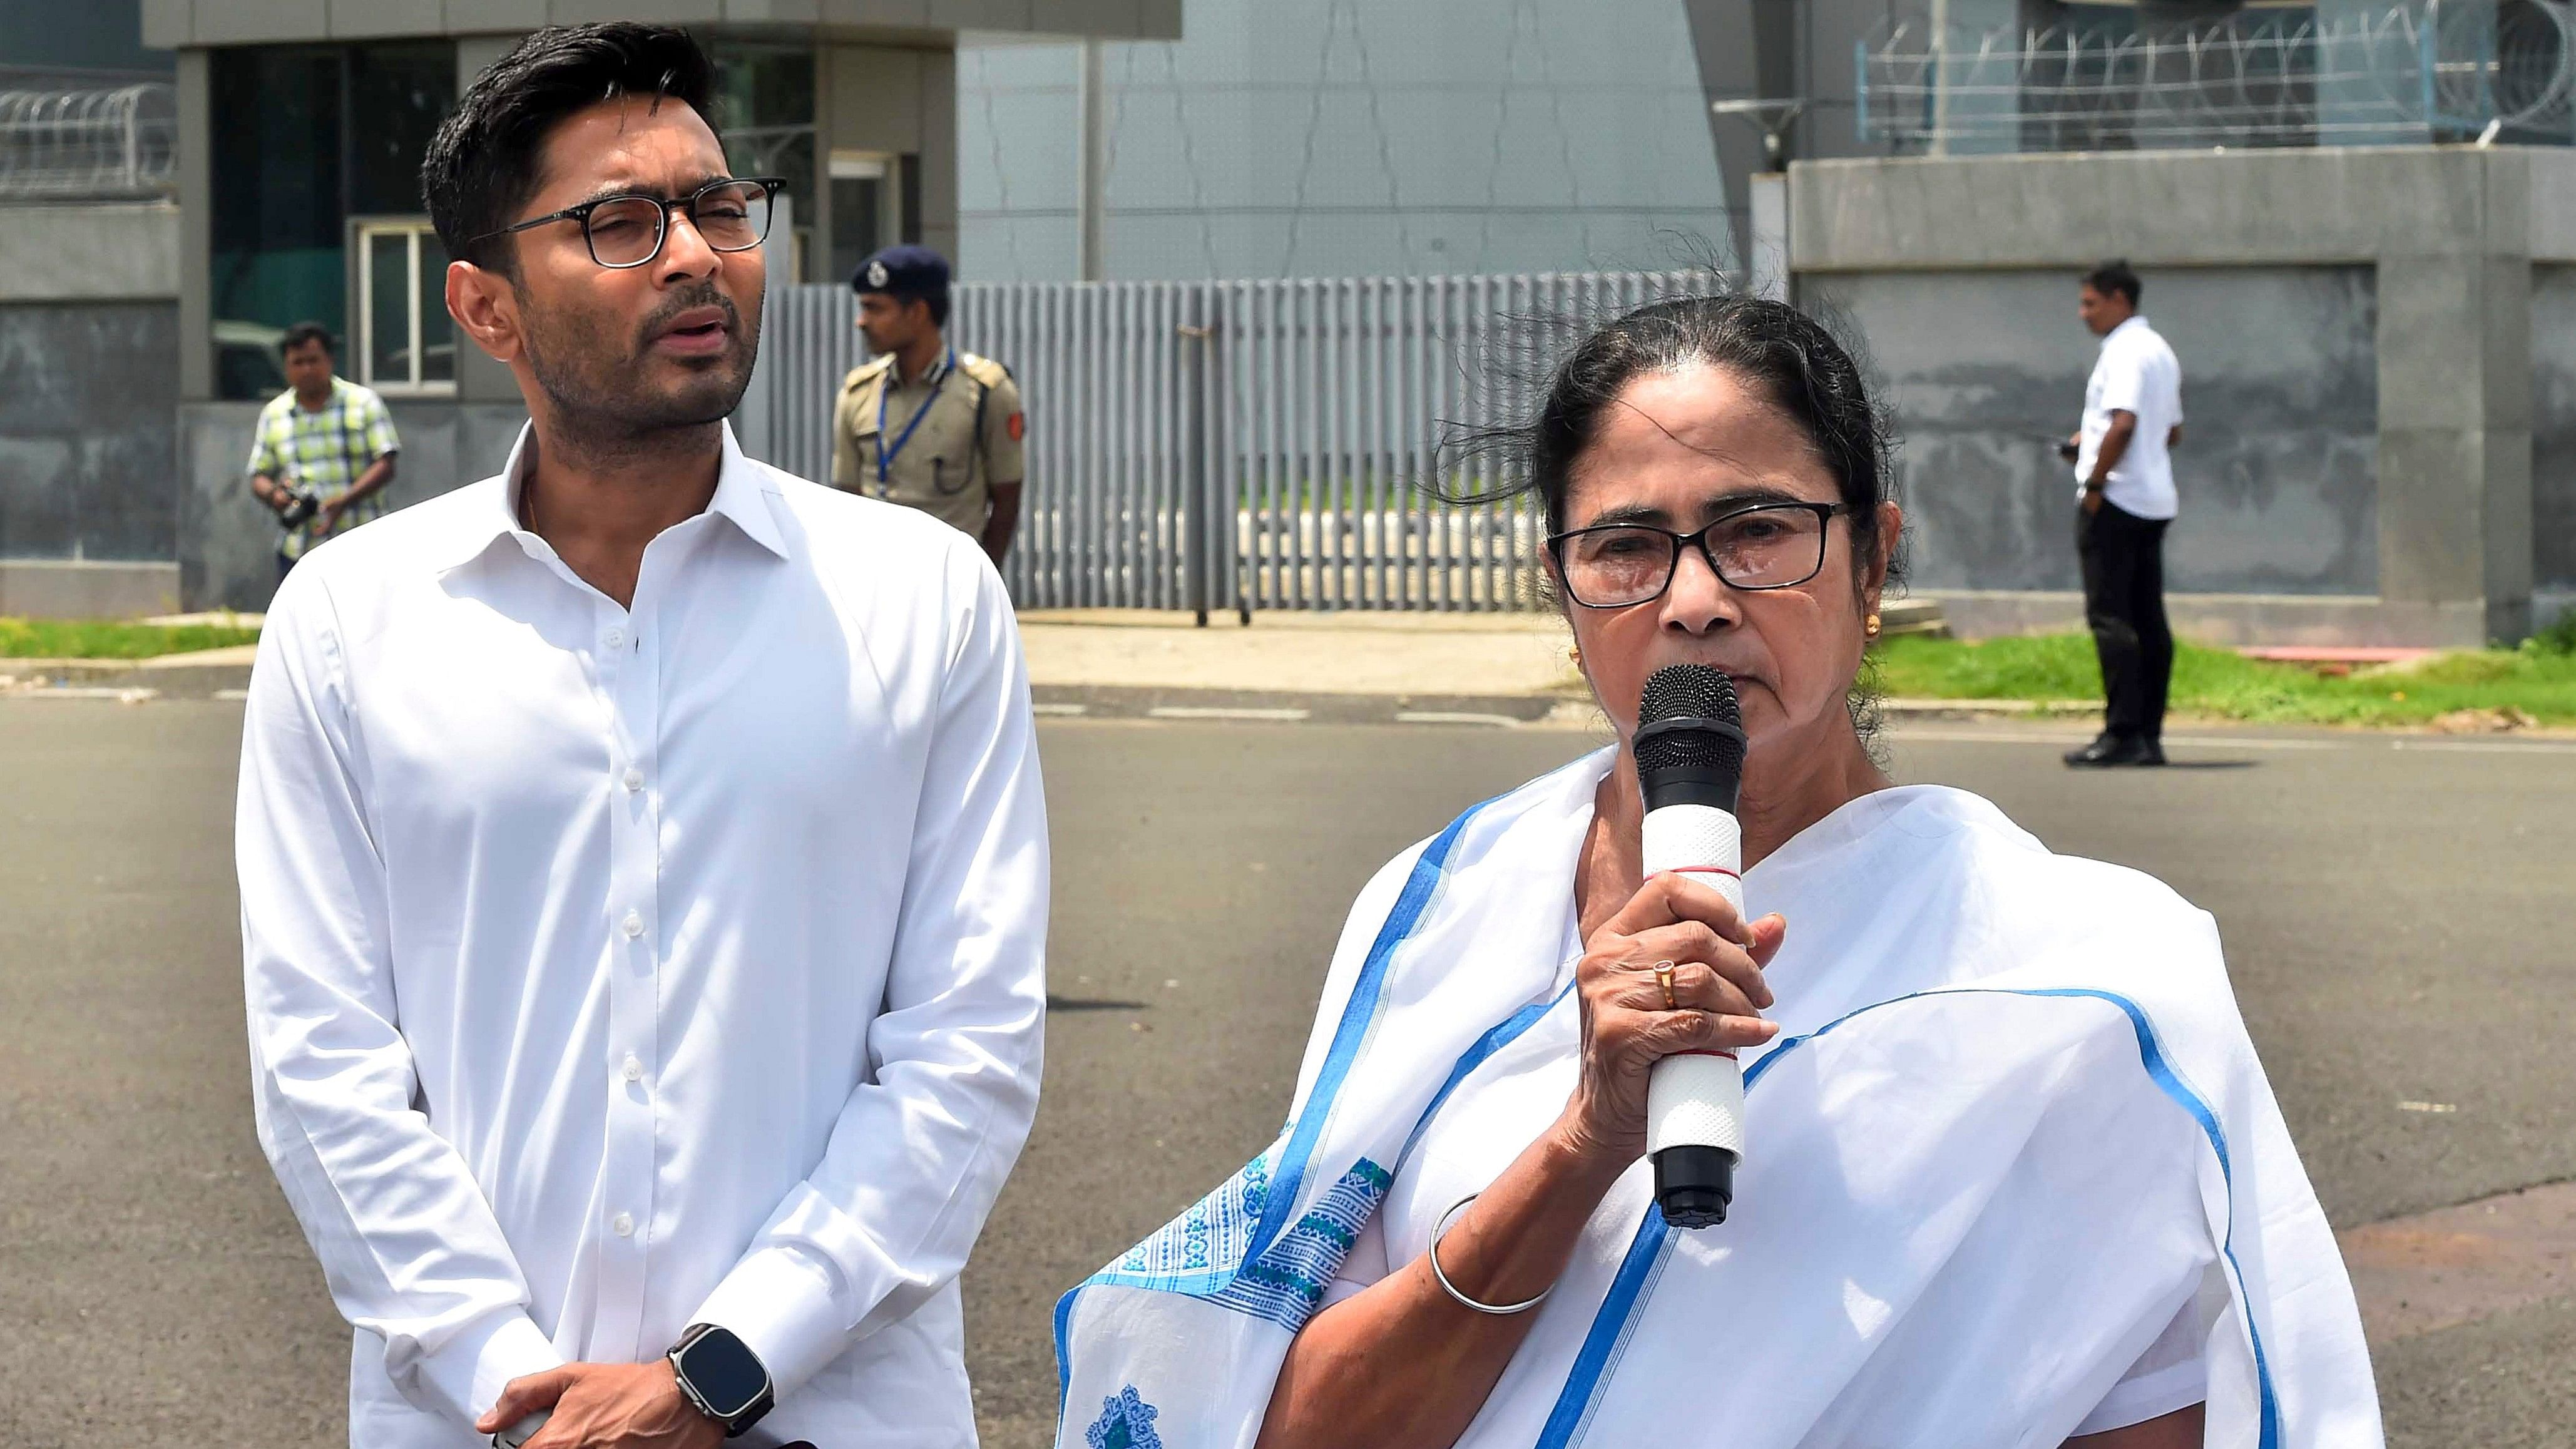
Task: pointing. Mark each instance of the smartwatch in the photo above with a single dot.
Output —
(722, 1378)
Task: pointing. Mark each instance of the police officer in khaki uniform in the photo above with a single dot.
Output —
(922, 423)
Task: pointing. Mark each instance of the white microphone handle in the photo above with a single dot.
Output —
(1696, 1100)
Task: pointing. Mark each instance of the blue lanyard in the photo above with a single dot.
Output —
(894, 370)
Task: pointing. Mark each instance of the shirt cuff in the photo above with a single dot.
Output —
(469, 1371)
(780, 1304)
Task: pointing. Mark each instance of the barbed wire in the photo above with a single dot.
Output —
(71, 145)
(2421, 70)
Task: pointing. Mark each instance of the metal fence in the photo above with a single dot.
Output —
(1238, 445)
(2421, 70)
(78, 145)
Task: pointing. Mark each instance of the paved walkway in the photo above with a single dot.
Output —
(1339, 653)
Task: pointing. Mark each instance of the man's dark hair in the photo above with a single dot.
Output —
(482, 165)
(306, 332)
(2115, 276)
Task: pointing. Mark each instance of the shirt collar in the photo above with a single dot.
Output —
(930, 375)
(2134, 319)
(742, 496)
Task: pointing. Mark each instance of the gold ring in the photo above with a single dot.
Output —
(1664, 979)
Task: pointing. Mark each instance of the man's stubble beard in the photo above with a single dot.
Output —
(592, 378)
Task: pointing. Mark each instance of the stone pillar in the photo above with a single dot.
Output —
(196, 227)
(2454, 341)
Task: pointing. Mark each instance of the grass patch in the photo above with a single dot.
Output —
(111, 639)
(2539, 679)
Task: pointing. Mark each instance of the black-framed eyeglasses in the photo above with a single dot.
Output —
(628, 230)
(1766, 546)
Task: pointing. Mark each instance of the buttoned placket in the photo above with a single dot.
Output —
(628, 658)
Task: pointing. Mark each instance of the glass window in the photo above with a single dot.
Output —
(862, 205)
(406, 341)
(397, 96)
(305, 138)
(277, 209)
(765, 112)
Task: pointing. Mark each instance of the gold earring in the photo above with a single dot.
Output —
(1870, 626)
(1575, 654)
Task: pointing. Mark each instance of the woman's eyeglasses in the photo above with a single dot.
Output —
(1766, 546)
(628, 231)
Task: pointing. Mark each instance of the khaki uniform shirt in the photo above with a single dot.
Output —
(943, 462)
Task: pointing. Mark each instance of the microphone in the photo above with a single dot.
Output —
(1690, 764)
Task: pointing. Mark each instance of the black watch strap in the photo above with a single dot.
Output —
(727, 1407)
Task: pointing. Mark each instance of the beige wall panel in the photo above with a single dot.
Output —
(466, 17)
(659, 12)
(938, 102)
(876, 98)
(166, 23)
(368, 19)
(246, 22)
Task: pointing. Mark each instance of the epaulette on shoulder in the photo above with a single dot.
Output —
(866, 371)
(983, 369)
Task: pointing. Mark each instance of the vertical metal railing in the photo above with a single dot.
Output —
(1239, 445)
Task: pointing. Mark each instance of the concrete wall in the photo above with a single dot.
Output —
(177, 24)
(88, 378)
(2553, 438)
(2279, 390)
(86, 393)
(2450, 234)
(113, 250)
(227, 546)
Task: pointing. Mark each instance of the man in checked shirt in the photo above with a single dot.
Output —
(323, 453)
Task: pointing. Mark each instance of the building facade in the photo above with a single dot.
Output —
(1322, 138)
(302, 124)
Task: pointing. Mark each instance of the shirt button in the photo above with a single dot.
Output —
(634, 1070)
(634, 779)
(614, 639)
(623, 1225)
(634, 925)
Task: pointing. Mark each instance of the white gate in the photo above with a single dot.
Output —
(1237, 445)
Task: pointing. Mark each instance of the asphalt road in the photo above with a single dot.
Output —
(2394, 921)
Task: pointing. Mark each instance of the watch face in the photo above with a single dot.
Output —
(724, 1373)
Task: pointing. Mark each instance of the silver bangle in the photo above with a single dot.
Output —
(1433, 1253)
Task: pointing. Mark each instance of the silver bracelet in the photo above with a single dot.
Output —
(1433, 1253)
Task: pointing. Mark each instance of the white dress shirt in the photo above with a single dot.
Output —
(612, 970)
(2134, 373)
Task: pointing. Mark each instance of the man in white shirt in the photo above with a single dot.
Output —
(2125, 497)
(643, 864)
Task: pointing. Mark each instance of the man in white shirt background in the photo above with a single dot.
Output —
(643, 863)
(2125, 499)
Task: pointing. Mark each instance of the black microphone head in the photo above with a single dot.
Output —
(1700, 691)
(1689, 729)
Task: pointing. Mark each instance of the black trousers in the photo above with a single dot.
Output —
(2124, 605)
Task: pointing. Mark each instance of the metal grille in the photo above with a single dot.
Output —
(75, 145)
(1238, 445)
(2427, 69)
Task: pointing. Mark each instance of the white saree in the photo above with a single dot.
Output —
(2011, 1137)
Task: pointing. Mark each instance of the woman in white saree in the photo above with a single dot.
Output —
(2013, 1174)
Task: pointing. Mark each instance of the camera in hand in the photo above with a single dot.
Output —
(302, 502)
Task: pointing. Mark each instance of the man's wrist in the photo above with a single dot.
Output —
(718, 1375)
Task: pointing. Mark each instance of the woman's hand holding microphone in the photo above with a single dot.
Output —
(1714, 959)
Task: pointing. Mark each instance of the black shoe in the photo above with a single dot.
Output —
(2106, 750)
(2150, 753)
